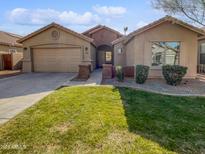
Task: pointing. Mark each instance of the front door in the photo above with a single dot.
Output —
(7, 61)
(104, 57)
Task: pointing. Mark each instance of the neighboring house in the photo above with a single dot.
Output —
(55, 48)
(103, 37)
(165, 41)
(11, 52)
(201, 54)
(201, 50)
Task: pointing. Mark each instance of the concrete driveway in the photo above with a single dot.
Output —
(22, 91)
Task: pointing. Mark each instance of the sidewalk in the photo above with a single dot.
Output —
(94, 80)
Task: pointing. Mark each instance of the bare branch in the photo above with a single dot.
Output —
(194, 10)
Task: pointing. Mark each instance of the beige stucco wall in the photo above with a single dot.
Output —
(93, 56)
(138, 49)
(1, 60)
(119, 58)
(5, 48)
(16, 58)
(45, 40)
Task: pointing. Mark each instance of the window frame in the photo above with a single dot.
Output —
(200, 52)
(12, 50)
(179, 54)
(106, 61)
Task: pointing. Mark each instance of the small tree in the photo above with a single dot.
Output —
(119, 73)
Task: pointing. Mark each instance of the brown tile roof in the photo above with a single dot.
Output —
(91, 29)
(56, 26)
(156, 23)
(9, 39)
(99, 27)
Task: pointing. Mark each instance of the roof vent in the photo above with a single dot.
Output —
(55, 34)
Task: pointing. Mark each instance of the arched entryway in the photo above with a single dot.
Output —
(104, 55)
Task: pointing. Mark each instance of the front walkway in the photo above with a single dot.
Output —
(187, 87)
(94, 80)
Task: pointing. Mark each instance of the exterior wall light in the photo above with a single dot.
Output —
(119, 50)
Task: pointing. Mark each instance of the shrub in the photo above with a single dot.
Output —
(119, 73)
(142, 72)
(173, 74)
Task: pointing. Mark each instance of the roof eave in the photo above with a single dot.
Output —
(160, 21)
(91, 29)
(201, 38)
(99, 27)
(57, 26)
(117, 41)
(11, 44)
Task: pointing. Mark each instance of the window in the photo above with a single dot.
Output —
(202, 53)
(165, 53)
(12, 50)
(108, 56)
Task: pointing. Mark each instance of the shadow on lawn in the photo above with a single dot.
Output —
(176, 123)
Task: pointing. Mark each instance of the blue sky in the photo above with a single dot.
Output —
(25, 16)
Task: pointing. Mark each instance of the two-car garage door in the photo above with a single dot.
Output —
(56, 59)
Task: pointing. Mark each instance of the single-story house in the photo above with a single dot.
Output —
(103, 37)
(165, 41)
(55, 48)
(11, 52)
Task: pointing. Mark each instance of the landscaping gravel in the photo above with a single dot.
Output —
(193, 87)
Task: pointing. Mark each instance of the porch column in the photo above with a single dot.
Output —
(27, 63)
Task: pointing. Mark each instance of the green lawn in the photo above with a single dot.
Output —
(107, 120)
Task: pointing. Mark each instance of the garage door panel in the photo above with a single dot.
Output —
(57, 60)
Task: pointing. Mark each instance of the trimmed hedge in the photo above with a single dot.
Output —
(173, 74)
(119, 73)
(142, 73)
